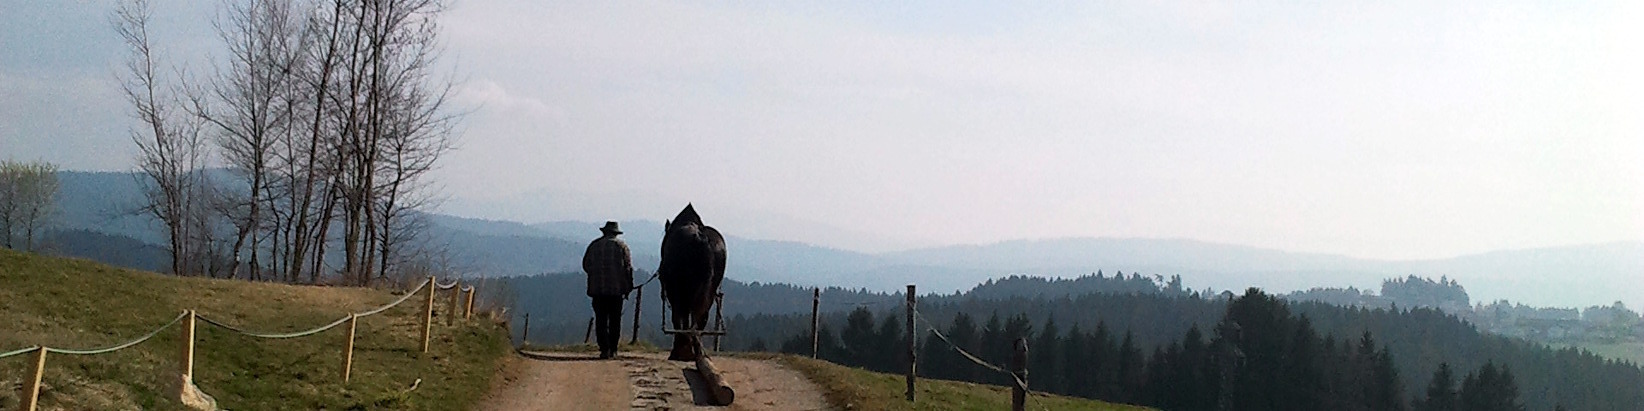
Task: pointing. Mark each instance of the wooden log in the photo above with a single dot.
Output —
(719, 393)
(671, 331)
(31, 386)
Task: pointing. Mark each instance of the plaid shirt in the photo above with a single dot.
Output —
(610, 271)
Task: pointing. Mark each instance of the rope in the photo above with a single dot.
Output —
(208, 320)
(653, 278)
(448, 286)
(19, 352)
(1018, 379)
(402, 299)
(151, 334)
(862, 304)
(322, 328)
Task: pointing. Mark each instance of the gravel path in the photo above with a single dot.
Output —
(645, 381)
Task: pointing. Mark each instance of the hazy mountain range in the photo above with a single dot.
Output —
(99, 208)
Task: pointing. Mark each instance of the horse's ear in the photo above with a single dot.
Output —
(666, 224)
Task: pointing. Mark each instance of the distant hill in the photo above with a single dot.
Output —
(109, 249)
(1575, 276)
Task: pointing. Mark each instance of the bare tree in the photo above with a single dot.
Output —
(252, 96)
(28, 199)
(169, 142)
(395, 125)
(327, 111)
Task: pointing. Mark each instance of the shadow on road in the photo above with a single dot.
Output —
(699, 386)
(562, 356)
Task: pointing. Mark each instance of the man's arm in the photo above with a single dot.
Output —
(589, 261)
(627, 266)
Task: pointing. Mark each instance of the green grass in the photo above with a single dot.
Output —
(856, 389)
(69, 303)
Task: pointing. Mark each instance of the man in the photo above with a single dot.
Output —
(610, 277)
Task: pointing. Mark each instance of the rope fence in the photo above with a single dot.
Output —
(1020, 392)
(31, 389)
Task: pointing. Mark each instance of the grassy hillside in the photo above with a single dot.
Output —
(77, 304)
(854, 388)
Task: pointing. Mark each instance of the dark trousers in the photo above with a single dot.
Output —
(608, 322)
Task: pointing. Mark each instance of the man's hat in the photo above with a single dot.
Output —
(611, 227)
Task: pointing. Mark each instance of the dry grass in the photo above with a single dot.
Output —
(70, 303)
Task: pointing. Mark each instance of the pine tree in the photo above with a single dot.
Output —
(1076, 356)
(1101, 362)
(1489, 390)
(1046, 359)
(1302, 388)
(1385, 378)
(1129, 373)
(859, 339)
(965, 335)
(890, 352)
(1441, 391)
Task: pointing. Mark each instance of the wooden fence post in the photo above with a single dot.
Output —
(639, 296)
(31, 386)
(912, 359)
(719, 318)
(525, 339)
(468, 313)
(186, 362)
(451, 316)
(348, 348)
(185, 369)
(590, 333)
(816, 299)
(428, 314)
(1018, 394)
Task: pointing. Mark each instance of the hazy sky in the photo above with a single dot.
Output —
(1381, 129)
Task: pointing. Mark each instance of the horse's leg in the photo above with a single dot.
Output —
(699, 318)
(682, 321)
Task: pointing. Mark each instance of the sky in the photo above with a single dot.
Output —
(1374, 129)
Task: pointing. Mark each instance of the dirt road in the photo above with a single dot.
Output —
(645, 381)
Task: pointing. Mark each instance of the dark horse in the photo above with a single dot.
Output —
(693, 264)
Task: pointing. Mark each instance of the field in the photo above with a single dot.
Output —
(852, 388)
(76, 304)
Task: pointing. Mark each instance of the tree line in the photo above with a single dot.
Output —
(1095, 325)
(327, 115)
(1258, 357)
(28, 197)
(1110, 347)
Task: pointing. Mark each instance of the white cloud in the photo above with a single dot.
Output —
(1379, 129)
